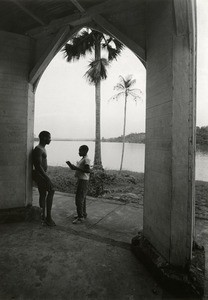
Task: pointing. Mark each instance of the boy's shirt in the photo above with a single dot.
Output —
(81, 164)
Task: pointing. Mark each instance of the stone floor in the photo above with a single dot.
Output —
(88, 261)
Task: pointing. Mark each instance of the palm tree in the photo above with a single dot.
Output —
(125, 90)
(86, 42)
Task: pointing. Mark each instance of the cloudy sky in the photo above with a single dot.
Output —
(65, 102)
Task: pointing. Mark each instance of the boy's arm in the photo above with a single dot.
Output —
(71, 166)
(86, 168)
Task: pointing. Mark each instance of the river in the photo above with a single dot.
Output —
(60, 151)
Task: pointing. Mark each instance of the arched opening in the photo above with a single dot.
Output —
(66, 108)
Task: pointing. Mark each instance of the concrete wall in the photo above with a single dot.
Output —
(16, 121)
(170, 117)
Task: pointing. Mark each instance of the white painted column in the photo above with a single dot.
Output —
(170, 125)
(16, 121)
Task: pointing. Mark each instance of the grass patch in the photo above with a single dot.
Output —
(126, 186)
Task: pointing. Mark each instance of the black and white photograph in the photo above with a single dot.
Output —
(103, 149)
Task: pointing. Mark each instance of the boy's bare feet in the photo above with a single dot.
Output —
(50, 222)
(78, 221)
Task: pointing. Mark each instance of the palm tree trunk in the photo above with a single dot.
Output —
(124, 132)
(97, 157)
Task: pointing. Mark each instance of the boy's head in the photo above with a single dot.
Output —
(83, 150)
(45, 137)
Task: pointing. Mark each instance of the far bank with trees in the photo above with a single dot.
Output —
(129, 138)
(202, 135)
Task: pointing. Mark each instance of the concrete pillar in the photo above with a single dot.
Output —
(16, 121)
(170, 125)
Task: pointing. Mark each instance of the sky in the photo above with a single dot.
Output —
(65, 102)
(202, 63)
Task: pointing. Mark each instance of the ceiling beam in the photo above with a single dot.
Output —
(59, 40)
(110, 6)
(112, 30)
(73, 20)
(28, 12)
(77, 19)
(78, 6)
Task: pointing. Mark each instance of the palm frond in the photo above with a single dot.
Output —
(128, 77)
(97, 36)
(97, 71)
(117, 96)
(84, 43)
(112, 52)
(138, 91)
(119, 46)
(132, 82)
(108, 39)
(79, 46)
(128, 81)
(124, 86)
(112, 46)
(121, 79)
(134, 96)
(119, 87)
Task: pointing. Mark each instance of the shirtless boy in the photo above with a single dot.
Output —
(45, 186)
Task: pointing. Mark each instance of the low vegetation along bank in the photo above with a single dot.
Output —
(108, 184)
(201, 137)
(125, 186)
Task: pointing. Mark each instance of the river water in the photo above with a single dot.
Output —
(60, 151)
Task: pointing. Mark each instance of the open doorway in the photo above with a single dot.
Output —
(65, 106)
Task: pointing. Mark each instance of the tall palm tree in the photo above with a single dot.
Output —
(86, 42)
(125, 90)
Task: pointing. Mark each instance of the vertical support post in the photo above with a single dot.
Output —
(170, 123)
(14, 120)
(30, 141)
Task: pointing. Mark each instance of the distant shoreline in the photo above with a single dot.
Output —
(89, 140)
(67, 140)
(110, 140)
(138, 138)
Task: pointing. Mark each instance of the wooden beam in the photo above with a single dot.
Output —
(112, 30)
(73, 20)
(78, 6)
(111, 6)
(77, 19)
(60, 39)
(28, 12)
